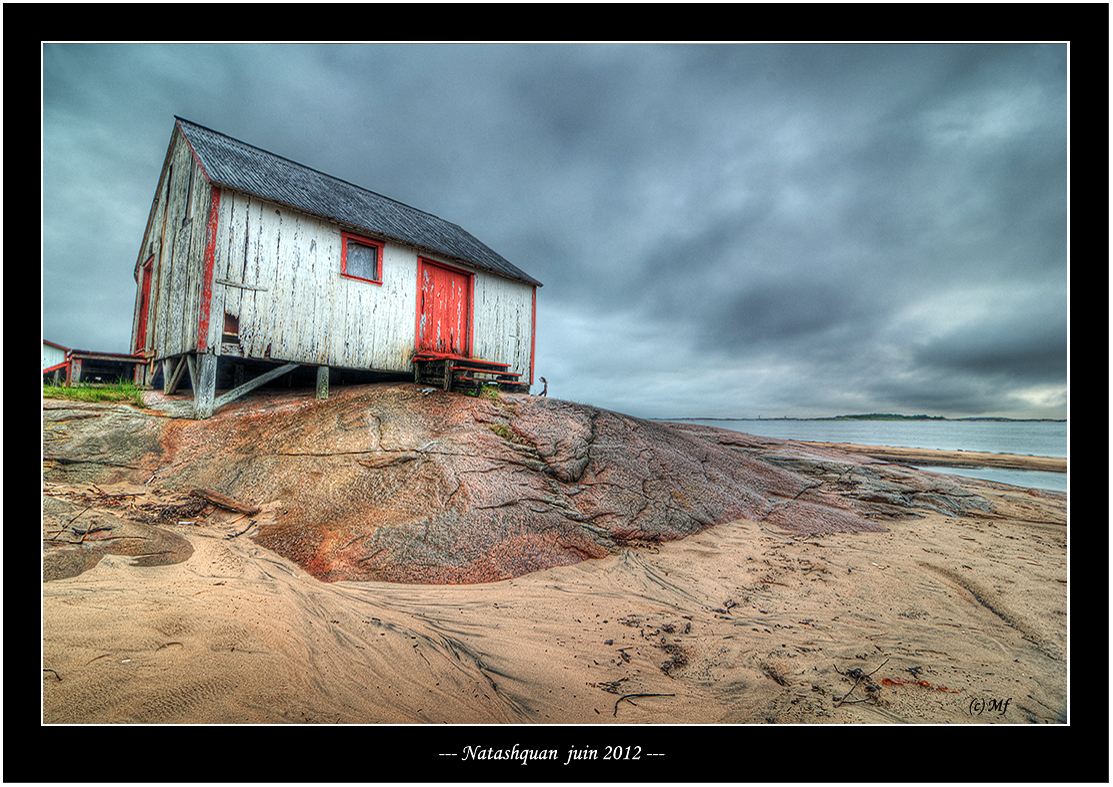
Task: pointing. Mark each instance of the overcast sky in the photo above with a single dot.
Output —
(721, 230)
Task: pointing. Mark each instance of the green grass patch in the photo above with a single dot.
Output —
(485, 391)
(119, 391)
(503, 431)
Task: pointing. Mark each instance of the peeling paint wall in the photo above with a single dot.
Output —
(278, 273)
(175, 243)
(503, 323)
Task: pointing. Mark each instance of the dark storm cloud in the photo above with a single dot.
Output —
(1018, 348)
(721, 229)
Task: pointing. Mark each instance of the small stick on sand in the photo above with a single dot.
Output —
(858, 676)
(250, 525)
(628, 696)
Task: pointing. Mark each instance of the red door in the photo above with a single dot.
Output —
(443, 309)
(144, 305)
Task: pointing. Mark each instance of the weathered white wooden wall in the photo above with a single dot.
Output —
(277, 272)
(502, 322)
(175, 238)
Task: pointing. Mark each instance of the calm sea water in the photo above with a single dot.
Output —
(1034, 438)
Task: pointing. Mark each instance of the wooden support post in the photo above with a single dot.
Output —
(322, 382)
(204, 385)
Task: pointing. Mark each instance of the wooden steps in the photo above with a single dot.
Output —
(457, 373)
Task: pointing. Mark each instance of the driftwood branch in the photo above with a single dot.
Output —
(230, 503)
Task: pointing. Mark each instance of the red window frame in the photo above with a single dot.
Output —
(377, 245)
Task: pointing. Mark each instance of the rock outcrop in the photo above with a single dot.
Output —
(403, 484)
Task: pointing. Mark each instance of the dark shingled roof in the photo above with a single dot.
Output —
(236, 165)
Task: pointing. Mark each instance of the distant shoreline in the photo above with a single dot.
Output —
(873, 417)
(925, 457)
(933, 457)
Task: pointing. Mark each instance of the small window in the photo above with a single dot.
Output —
(362, 259)
(231, 332)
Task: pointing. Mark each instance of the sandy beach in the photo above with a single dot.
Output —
(940, 619)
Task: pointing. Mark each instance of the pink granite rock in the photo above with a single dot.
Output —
(403, 484)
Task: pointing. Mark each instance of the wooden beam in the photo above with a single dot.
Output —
(192, 364)
(241, 285)
(251, 385)
(322, 382)
(171, 374)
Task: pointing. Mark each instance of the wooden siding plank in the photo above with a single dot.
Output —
(161, 303)
(152, 252)
(325, 253)
(298, 240)
(320, 314)
(398, 296)
(254, 305)
(226, 297)
(271, 258)
(262, 251)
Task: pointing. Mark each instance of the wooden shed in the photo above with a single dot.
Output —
(253, 266)
(55, 358)
(64, 365)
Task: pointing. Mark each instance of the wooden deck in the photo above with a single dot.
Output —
(459, 373)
